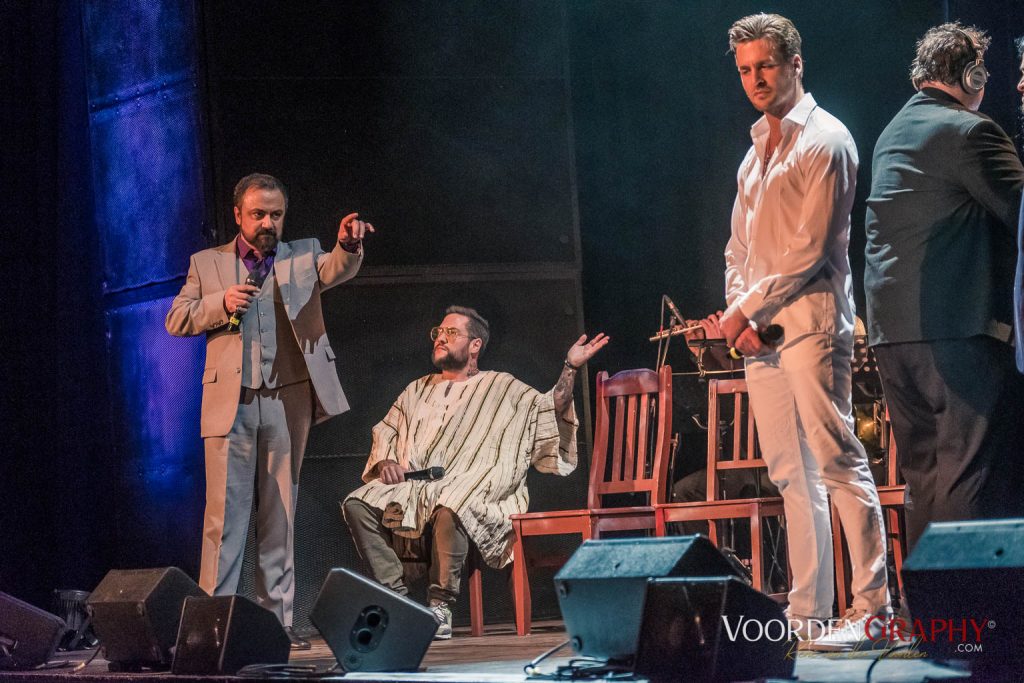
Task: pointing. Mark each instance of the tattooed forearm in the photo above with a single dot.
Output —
(563, 389)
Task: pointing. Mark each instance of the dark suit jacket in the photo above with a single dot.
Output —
(941, 224)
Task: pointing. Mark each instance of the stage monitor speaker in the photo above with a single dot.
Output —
(136, 612)
(698, 629)
(601, 588)
(28, 635)
(370, 628)
(222, 634)
(965, 586)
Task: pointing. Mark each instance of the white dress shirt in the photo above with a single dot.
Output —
(787, 260)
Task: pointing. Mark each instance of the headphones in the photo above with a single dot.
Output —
(975, 74)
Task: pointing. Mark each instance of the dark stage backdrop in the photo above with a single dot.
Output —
(558, 163)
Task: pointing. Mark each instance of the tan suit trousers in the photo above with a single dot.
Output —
(263, 454)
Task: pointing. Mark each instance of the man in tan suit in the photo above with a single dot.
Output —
(269, 375)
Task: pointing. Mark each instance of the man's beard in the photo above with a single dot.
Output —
(450, 360)
(265, 242)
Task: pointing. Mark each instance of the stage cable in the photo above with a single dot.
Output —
(81, 665)
(578, 668)
(67, 663)
(531, 668)
(287, 671)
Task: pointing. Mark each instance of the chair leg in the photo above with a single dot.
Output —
(520, 585)
(659, 523)
(713, 532)
(756, 565)
(476, 601)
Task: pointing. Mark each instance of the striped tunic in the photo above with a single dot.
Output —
(486, 432)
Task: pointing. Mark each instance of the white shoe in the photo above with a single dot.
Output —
(857, 630)
(443, 614)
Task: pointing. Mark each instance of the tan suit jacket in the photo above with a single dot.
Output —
(302, 271)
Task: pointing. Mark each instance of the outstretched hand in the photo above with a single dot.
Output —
(582, 351)
(352, 230)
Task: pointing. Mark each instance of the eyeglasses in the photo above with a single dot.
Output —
(450, 333)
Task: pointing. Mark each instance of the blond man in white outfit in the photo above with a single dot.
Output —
(787, 264)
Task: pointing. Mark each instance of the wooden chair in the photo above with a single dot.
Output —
(743, 455)
(892, 496)
(631, 453)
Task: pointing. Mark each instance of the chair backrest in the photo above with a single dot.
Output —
(740, 450)
(632, 433)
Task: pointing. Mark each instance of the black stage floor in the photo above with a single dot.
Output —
(499, 657)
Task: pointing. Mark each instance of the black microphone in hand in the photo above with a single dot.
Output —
(769, 336)
(429, 474)
(235, 321)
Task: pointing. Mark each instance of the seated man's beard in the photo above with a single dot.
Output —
(266, 241)
(450, 361)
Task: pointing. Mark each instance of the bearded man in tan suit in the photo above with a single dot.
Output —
(268, 377)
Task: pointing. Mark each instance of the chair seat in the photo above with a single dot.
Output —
(703, 510)
(551, 514)
(580, 521)
(598, 512)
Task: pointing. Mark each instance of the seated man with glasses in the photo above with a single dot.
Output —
(485, 429)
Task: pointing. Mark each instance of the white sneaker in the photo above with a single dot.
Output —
(443, 614)
(854, 632)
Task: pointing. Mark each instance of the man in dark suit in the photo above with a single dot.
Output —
(945, 194)
(268, 377)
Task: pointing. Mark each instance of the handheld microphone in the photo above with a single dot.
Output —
(770, 336)
(672, 309)
(235, 321)
(429, 474)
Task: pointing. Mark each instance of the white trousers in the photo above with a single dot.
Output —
(801, 398)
